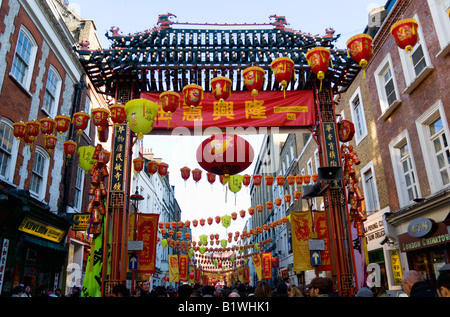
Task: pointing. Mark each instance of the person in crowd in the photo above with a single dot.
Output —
(76, 292)
(208, 291)
(58, 292)
(234, 294)
(17, 291)
(120, 290)
(380, 291)
(318, 287)
(160, 291)
(415, 286)
(294, 291)
(364, 292)
(185, 290)
(443, 284)
(136, 292)
(145, 289)
(263, 290)
(331, 292)
(26, 291)
(282, 290)
(242, 290)
(250, 291)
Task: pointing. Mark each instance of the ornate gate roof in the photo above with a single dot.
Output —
(173, 55)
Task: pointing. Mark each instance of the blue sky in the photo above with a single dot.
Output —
(347, 17)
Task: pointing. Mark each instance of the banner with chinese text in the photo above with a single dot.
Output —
(266, 259)
(246, 274)
(320, 225)
(257, 264)
(174, 273)
(301, 224)
(147, 231)
(183, 267)
(268, 109)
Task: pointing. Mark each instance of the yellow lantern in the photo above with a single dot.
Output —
(85, 154)
(141, 115)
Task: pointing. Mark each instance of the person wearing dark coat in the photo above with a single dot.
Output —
(415, 286)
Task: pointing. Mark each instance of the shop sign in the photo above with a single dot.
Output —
(409, 243)
(420, 227)
(41, 230)
(396, 266)
(80, 222)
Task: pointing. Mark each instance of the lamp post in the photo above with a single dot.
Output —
(135, 198)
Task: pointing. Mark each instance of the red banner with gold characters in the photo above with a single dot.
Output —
(320, 225)
(147, 231)
(183, 267)
(266, 259)
(301, 224)
(268, 109)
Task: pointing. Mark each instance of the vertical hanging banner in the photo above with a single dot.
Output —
(198, 275)
(331, 149)
(257, 264)
(118, 159)
(320, 224)
(266, 260)
(147, 231)
(183, 267)
(174, 272)
(241, 274)
(301, 224)
(246, 274)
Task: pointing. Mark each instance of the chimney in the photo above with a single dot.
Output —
(376, 18)
(148, 154)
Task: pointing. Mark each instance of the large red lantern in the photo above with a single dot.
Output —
(185, 173)
(33, 128)
(100, 118)
(253, 79)
(193, 95)
(138, 164)
(405, 33)
(20, 130)
(197, 175)
(221, 88)
(269, 180)
(283, 70)
(50, 142)
(62, 124)
(246, 180)
(169, 102)
(269, 205)
(225, 154)
(69, 148)
(163, 169)
(47, 125)
(280, 180)
(257, 180)
(152, 167)
(251, 211)
(80, 122)
(118, 114)
(290, 179)
(211, 178)
(346, 130)
(318, 59)
(360, 49)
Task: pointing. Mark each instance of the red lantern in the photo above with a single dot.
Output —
(62, 123)
(318, 59)
(242, 213)
(163, 169)
(246, 180)
(291, 180)
(269, 205)
(360, 48)
(251, 211)
(278, 202)
(80, 122)
(195, 223)
(405, 33)
(47, 125)
(280, 180)
(69, 148)
(185, 173)
(209, 220)
(269, 180)
(138, 164)
(346, 130)
(169, 101)
(257, 180)
(315, 177)
(197, 174)
(234, 215)
(299, 179)
(211, 177)
(100, 118)
(297, 194)
(221, 88)
(283, 70)
(253, 79)
(50, 142)
(152, 167)
(225, 154)
(306, 179)
(118, 114)
(287, 198)
(193, 95)
(259, 208)
(33, 128)
(217, 218)
(20, 130)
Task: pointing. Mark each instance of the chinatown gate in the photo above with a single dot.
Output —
(174, 55)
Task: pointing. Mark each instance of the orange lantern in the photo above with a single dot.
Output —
(315, 177)
(69, 148)
(291, 180)
(195, 223)
(202, 222)
(269, 205)
(152, 167)
(221, 88)
(20, 130)
(197, 175)
(50, 142)
(318, 59)
(251, 211)
(187, 223)
(280, 180)
(257, 180)
(169, 101)
(47, 125)
(287, 198)
(173, 224)
(299, 179)
(269, 180)
(193, 95)
(405, 33)
(283, 70)
(80, 122)
(306, 179)
(242, 213)
(163, 169)
(209, 220)
(217, 219)
(180, 224)
(253, 79)
(360, 49)
(33, 128)
(138, 164)
(278, 202)
(259, 208)
(62, 124)
(185, 173)
(297, 194)
(234, 215)
(211, 177)
(246, 180)
(100, 118)
(118, 114)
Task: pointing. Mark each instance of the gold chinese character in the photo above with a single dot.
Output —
(255, 109)
(192, 115)
(223, 109)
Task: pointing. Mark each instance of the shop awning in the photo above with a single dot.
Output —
(45, 243)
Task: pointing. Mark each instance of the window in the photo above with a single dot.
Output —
(24, 57)
(78, 197)
(387, 87)
(404, 169)
(52, 90)
(416, 64)
(8, 150)
(434, 134)
(39, 173)
(370, 188)
(87, 109)
(439, 12)
(358, 116)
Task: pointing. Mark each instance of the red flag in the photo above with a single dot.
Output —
(147, 231)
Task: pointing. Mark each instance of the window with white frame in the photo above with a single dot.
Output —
(24, 58)
(358, 116)
(439, 11)
(8, 150)
(78, 197)
(52, 91)
(386, 83)
(404, 169)
(370, 188)
(416, 63)
(39, 173)
(434, 136)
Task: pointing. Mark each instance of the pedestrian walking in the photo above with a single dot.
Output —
(415, 286)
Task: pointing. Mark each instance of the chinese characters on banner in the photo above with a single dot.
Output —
(320, 225)
(118, 159)
(242, 110)
(257, 263)
(266, 259)
(174, 273)
(183, 266)
(147, 230)
(301, 223)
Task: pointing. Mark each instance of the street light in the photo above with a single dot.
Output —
(136, 197)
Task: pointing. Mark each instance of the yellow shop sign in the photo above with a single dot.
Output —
(41, 230)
